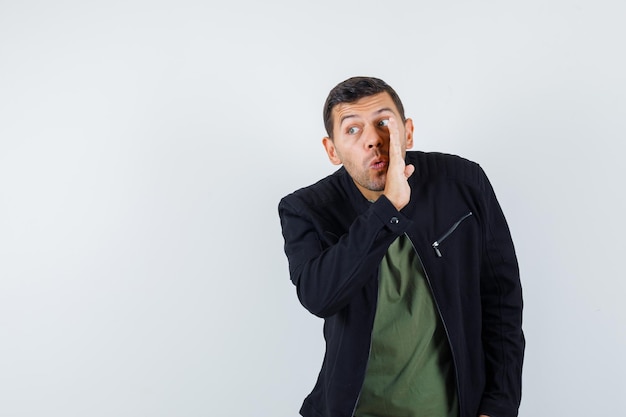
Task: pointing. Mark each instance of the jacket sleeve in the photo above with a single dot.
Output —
(501, 297)
(326, 276)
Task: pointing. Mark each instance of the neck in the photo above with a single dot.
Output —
(370, 195)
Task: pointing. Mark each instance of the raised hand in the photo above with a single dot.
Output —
(397, 188)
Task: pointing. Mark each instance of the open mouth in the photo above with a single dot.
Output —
(379, 164)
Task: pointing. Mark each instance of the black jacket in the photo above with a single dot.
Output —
(335, 240)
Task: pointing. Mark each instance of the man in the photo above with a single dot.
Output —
(408, 258)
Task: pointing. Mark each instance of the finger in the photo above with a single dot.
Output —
(394, 138)
(394, 132)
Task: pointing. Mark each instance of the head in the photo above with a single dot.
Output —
(356, 115)
(352, 90)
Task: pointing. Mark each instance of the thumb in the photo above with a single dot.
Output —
(409, 170)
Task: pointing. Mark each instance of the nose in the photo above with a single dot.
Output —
(373, 139)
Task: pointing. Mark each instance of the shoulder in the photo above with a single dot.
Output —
(325, 192)
(437, 166)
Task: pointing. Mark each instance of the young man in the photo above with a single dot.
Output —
(408, 258)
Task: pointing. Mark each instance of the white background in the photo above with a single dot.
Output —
(144, 146)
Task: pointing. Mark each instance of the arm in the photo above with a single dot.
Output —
(327, 277)
(501, 293)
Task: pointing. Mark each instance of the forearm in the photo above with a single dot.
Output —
(328, 271)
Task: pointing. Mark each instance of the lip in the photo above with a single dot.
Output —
(379, 164)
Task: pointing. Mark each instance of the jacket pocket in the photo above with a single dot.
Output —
(443, 237)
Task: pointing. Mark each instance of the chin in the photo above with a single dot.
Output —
(377, 187)
(378, 184)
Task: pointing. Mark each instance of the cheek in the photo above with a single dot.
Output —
(342, 151)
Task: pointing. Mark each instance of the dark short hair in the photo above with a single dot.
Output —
(353, 89)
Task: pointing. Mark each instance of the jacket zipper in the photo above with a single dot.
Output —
(438, 242)
(445, 327)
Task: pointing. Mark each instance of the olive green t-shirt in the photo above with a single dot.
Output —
(410, 371)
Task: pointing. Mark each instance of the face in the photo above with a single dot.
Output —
(361, 140)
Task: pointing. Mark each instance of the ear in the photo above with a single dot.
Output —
(329, 145)
(408, 128)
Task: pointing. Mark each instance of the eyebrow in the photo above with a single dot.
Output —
(350, 116)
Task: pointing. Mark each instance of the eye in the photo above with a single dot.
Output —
(353, 130)
(383, 122)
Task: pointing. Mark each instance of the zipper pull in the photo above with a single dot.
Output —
(436, 248)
